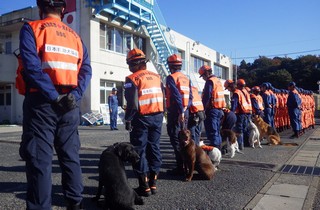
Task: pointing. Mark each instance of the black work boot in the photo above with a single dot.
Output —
(143, 189)
(153, 182)
(78, 206)
(295, 135)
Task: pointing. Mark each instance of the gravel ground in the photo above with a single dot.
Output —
(232, 188)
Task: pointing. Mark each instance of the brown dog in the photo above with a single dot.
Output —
(269, 132)
(194, 158)
(266, 131)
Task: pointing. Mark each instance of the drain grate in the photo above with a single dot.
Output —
(249, 164)
(314, 138)
(304, 170)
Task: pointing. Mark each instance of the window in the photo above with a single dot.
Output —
(1, 99)
(103, 36)
(8, 47)
(196, 63)
(105, 90)
(5, 95)
(182, 55)
(118, 40)
(220, 71)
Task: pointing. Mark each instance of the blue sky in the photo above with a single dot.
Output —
(239, 28)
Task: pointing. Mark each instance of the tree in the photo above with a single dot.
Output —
(305, 71)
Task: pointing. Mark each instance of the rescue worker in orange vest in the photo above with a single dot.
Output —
(294, 110)
(196, 115)
(281, 109)
(213, 101)
(57, 72)
(241, 105)
(270, 89)
(178, 101)
(256, 101)
(267, 102)
(144, 93)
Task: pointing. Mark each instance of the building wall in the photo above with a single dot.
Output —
(106, 65)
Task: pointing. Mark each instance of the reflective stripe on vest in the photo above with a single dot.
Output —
(150, 95)
(60, 50)
(196, 103)
(183, 84)
(244, 102)
(259, 102)
(217, 95)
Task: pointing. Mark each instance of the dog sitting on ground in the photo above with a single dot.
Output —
(213, 152)
(194, 158)
(112, 177)
(254, 136)
(269, 132)
(230, 138)
(266, 131)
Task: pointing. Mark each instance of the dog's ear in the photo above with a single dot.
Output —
(117, 149)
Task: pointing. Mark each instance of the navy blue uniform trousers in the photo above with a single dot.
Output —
(145, 137)
(212, 125)
(173, 128)
(295, 119)
(240, 127)
(113, 117)
(45, 128)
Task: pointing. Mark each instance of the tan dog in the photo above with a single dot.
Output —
(194, 158)
(269, 132)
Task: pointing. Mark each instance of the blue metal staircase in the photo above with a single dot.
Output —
(141, 13)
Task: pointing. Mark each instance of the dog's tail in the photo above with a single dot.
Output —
(288, 144)
(274, 138)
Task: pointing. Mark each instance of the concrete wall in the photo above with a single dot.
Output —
(106, 65)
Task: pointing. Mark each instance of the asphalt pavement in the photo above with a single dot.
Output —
(258, 179)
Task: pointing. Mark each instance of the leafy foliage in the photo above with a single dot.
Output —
(304, 70)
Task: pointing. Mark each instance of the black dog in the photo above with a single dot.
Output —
(112, 176)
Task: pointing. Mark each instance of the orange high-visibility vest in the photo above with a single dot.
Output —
(20, 84)
(150, 94)
(259, 101)
(196, 104)
(60, 50)
(244, 102)
(183, 84)
(217, 95)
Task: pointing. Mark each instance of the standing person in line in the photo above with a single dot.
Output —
(256, 101)
(178, 101)
(273, 104)
(144, 93)
(267, 103)
(213, 101)
(241, 105)
(57, 72)
(196, 115)
(113, 108)
(294, 109)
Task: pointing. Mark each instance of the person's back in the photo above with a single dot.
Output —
(294, 110)
(53, 56)
(144, 93)
(213, 101)
(178, 99)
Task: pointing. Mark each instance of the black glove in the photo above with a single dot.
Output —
(128, 126)
(66, 102)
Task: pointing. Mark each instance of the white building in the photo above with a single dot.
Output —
(109, 29)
